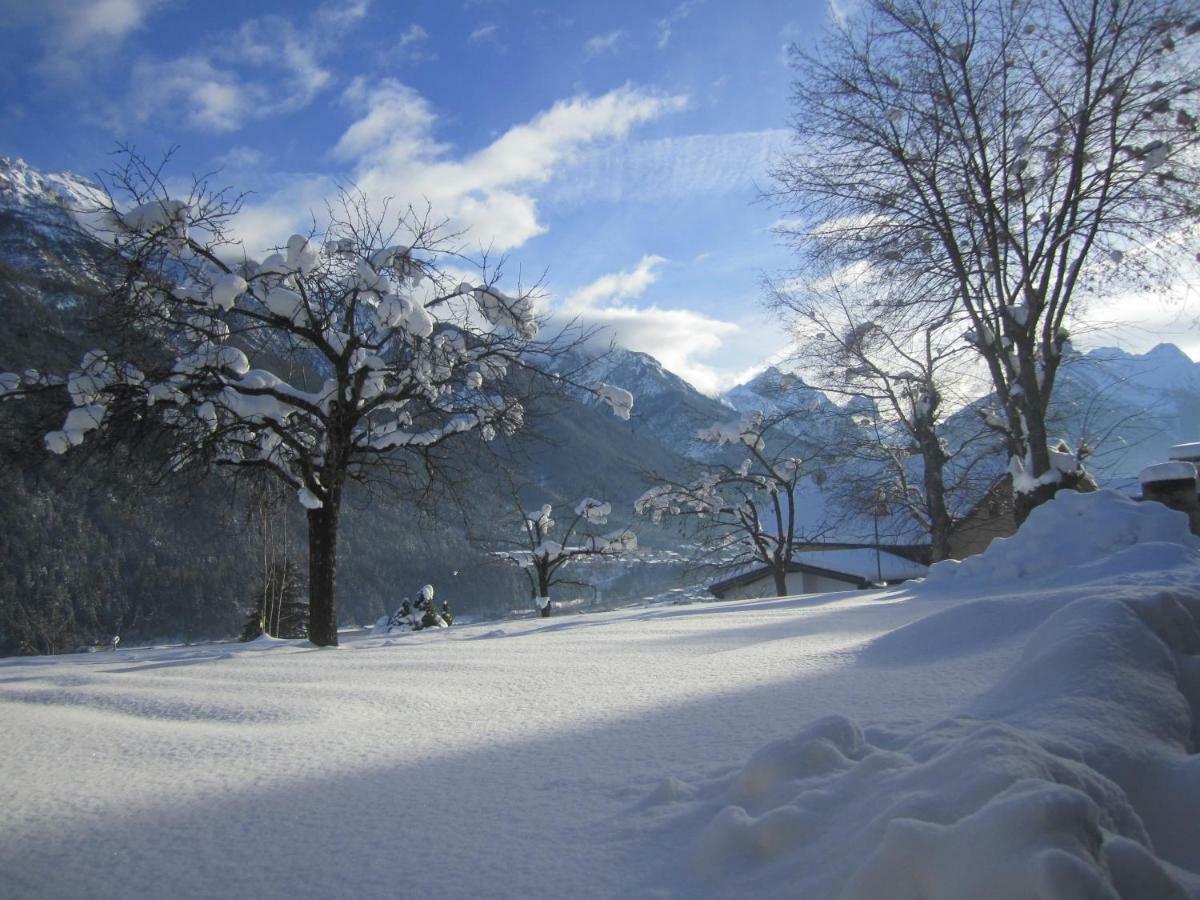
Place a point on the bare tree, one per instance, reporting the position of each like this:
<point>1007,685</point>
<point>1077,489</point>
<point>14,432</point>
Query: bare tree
<point>1007,156</point>
<point>900,368</point>
<point>544,558</point>
<point>745,512</point>
<point>340,355</point>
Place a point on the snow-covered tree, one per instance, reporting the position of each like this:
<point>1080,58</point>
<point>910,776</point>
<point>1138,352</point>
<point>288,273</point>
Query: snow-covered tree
<point>743,513</point>
<point>543,555</point>
<point>345,354</point>
<point>1008,157</point>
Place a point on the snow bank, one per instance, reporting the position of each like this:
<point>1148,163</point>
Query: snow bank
<point>1072,777</point>
<point>1070,530</point>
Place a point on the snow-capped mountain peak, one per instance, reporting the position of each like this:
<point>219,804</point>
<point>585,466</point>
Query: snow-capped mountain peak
<point>24,188</point>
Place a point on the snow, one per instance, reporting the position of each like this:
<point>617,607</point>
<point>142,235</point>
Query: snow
<point>302,254</point>
<point>308,499</point>
<point>1169,471</point>
<point>863,563</point>
<point>1024,727</point>
<point>285,303</point>
<point>1189,451</point>
<point>618,399</point>
<point>593,510</point>
<point>514,313</point>
<point>158,214</point>
<point>1073,531</point>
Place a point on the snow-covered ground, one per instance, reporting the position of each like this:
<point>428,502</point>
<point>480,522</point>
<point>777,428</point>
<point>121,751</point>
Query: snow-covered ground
<point>1021,725</point>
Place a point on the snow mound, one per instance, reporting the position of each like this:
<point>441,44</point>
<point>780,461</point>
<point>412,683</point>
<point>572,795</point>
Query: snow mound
<point>1072,777</point>
<point>1071,530</point>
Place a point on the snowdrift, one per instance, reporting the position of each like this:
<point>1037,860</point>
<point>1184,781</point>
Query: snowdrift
<point>1104,527</point>
<point>1074,776</point>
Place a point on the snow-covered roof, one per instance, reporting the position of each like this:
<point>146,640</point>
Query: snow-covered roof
<point>1169,471</point>
<point>861,561</point>
<point>1189,452</point>
<point>854,565</point>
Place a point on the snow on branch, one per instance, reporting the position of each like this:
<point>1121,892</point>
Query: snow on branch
<point>619,399</point>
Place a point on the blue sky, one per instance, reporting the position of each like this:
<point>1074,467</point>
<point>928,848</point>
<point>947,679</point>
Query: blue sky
<point>618,147</point>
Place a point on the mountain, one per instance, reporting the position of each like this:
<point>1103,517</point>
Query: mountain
<point>774,392</point>
<point>667,409</point>
<point>1130,407</point>
<point>39,233</point>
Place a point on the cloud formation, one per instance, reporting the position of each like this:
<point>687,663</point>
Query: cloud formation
<point>662,168</point>
<point>267,66</point>
<point>413,47</point>
<point>483,34</point>
<point>394,153</point>
<point>667,23</point>
<point>604,43</point>
<point>75,32</point>
<point>678,338</point>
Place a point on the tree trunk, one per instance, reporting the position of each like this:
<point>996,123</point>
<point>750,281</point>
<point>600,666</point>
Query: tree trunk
<point>544,592</point>
<point>1038,458</point>
<point>933,460</point>
<point>779,572</point>
<point>322,570</point>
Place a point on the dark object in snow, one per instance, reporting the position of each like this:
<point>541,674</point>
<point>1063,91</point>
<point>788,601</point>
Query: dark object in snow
<point>402,616</point>
<point>446,614</point>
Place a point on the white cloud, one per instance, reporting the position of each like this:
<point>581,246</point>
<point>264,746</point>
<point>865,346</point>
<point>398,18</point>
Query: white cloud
<point>604,43</point>
<point>490,191</point>
<point>615,287</point>
<point>341,16</point>
<point>1136,321</point>
<point>485,33</point>
<point>77,32</point>
<point>103,20</point>
<point>392,152</point>
<point>394,116</point>
<point>265,67</point>
<point>840,11</point>
<point>241,158</point>
<point>663,168</point>
<point>413,47</point>
<point>667,23</point>
<point>678,338</point>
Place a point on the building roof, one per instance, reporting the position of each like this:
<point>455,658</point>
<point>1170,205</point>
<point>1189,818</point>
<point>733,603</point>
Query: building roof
<point>1185,452</point>
<point>856,566</point>
<point>864,563</point>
